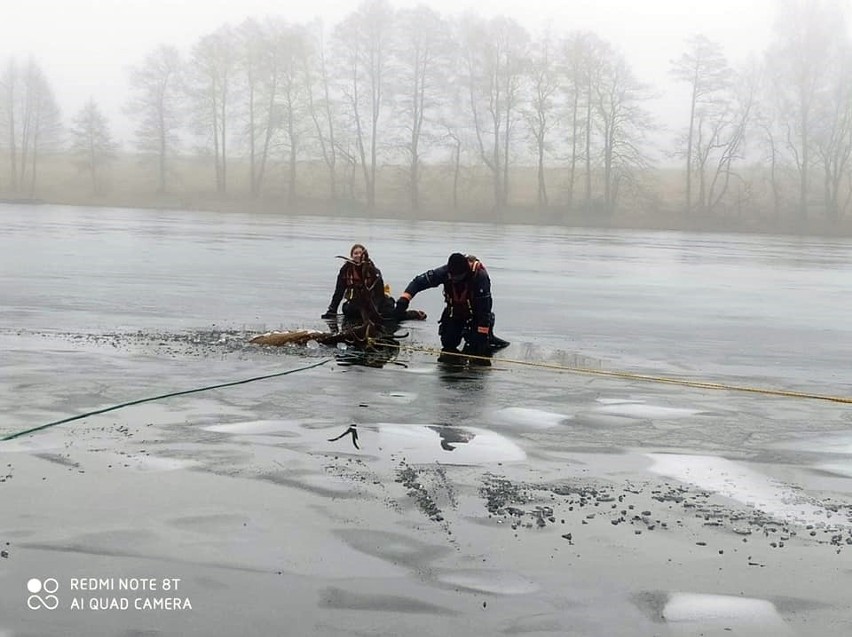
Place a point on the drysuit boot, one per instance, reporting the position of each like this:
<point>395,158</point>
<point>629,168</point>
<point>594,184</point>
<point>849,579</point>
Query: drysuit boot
<point>451,356</point>
<point>495,343</point>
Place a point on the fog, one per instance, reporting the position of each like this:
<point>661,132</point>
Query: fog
<point>86,48</point>
<point>581,112</point>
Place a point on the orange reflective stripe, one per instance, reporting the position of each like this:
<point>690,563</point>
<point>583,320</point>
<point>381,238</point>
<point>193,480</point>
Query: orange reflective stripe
<point>406,296</point>
<point>482,330</point>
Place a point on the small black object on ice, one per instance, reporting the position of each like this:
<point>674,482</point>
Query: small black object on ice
<point>352,430</point>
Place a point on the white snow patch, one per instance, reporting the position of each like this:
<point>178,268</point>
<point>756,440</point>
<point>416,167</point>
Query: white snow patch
<point>639,410</point>
<point>460,446</point>
<point>742,484</point>
<point>725,610</point>
<point>533,418</point>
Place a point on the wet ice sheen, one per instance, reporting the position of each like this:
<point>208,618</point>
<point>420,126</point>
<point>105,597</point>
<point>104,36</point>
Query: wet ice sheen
<point>400,397</point>
<point>30,444</point>
<point>255,427</point>
<point>839,444</point>
<point>843,469</point>
<point>640,410</point>
<point>155,464</point>
<point>489,581</point>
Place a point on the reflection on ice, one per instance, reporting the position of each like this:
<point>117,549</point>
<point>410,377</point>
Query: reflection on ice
<point>742,484</point>
<point>400,397</point>
<point>29,445</point>
<point>255,427</point>
<point>637,409</point>
<point>155,464</point>
<point>757,616</point>
<point>839,444</point>
<point>533,418</point>
<point>837,468</point>
<point>486,581</point>
<point>143,462</point>
<point>447,445</point>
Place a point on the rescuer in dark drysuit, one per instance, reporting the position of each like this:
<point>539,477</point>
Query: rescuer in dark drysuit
<point>467,315</point>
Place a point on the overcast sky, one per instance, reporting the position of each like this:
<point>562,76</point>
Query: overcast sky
<point>85,46</point>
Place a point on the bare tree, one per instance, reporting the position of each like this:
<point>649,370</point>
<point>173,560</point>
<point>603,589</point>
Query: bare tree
<point>272,66</point>
<point>456,133</point>
<point>809,34</point>
<point>726,127</point>
<point>833,136</point>
<point>623,123</point>
<point>320,104</point>
<point>769,134</point>
<point>541,112</point>
<point>42,119</point>
<point>515,42</point>
<point>363,39</point>
<point>156,102</point>
<point>771,147</point>
<point>581,59</point>
<point>92,143</point>
<point>456,152</point>
<point>9,89</point>
<point>704,67</point>
<point>209,85</point>
<point>594,54</point>
<point>291,44</point>
<point>32,119</point>
<point>493,65</point>
<point>256,88</point>
<point>422,52</point>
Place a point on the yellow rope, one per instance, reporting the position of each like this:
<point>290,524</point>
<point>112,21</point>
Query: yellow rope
<point>630,375</point>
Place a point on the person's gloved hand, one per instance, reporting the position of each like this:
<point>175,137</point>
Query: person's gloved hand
<point>401,307</point>
<point>329,314</point>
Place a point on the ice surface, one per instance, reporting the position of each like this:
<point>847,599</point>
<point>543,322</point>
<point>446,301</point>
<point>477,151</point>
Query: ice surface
<point>738,482</point>
<point>255,427</point>
<point>487,581</point>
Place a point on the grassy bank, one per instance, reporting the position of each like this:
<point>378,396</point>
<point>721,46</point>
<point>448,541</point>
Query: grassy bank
<point>130,182</point>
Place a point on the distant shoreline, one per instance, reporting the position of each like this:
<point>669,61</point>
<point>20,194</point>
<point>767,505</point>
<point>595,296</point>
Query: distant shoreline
<point>663,221</point>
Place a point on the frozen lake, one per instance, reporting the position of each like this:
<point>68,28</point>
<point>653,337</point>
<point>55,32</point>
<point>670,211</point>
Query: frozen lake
<point>751,310</point>
<point>102,306</point>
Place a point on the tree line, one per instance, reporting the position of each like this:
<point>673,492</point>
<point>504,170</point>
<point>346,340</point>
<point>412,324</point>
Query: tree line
<point>472,100</point>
